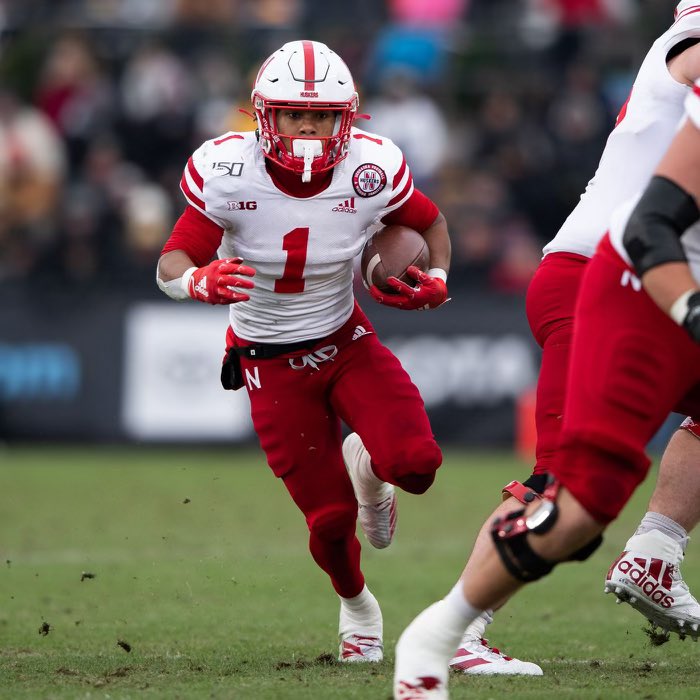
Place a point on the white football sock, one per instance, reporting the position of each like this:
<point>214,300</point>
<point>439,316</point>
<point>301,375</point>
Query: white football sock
<point>360,615</point>
<point>666,525</point>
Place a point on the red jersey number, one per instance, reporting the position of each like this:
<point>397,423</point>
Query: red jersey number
<point>295,243</point>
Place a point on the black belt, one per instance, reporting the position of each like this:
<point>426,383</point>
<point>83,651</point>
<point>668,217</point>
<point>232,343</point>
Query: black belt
<point>265,351</point>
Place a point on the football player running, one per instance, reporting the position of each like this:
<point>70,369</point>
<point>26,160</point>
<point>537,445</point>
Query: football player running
<point>645,127</point>
<point>285,210</point>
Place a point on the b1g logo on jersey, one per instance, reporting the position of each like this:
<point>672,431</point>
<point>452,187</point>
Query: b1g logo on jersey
<point>242,206</point>
<point>368,180</point>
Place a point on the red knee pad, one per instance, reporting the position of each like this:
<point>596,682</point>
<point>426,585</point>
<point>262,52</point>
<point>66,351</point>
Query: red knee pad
<point>519,491</point>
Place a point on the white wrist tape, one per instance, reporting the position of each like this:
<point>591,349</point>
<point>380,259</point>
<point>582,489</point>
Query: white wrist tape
<point>679,308</point>
<point>178,288</point>
<point>438,272</point>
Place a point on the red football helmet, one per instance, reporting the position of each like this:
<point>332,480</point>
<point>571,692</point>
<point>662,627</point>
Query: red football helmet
<point>305,75</point>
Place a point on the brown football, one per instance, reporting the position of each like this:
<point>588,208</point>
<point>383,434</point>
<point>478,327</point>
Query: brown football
<point>389,252</point>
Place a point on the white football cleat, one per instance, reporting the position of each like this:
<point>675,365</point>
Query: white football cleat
<point>377,511</point>
<point>361,630</point>
<point>647,576</point>
<point>476,657</point>
<point>357,649</point>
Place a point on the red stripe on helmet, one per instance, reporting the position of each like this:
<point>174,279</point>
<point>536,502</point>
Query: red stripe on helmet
<point>196,177</point>
<point>309,65</point>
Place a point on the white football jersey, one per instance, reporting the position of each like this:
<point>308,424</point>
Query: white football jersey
<point>645,126</point>
<point>691,238</point>
<point>301,248</point>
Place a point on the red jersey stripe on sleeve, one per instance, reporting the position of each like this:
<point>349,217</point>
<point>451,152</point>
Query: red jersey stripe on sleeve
<point>418,212</point>
<point>399,175</point>
<point>196,235</point>
<point>190,196</point>
<point>403,193</point>
<point>196,177</point>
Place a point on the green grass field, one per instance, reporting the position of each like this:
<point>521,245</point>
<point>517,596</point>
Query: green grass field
<point>200,565</point>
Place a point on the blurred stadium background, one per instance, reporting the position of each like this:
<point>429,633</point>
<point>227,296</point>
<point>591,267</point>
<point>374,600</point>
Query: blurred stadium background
<point>501,106</point>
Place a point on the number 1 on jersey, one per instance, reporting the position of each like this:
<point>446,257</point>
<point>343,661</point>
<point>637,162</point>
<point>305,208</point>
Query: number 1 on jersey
<point>295,243</point>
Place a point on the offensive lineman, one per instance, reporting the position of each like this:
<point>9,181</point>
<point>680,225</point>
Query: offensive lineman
<point>637,329</point>
<point>286,210</point>
<point>645,127</point>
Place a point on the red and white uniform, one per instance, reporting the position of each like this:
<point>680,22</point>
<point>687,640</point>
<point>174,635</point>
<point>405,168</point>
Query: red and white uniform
<point>631,365</point>
<point>301,248</point>
<point>645,126</point>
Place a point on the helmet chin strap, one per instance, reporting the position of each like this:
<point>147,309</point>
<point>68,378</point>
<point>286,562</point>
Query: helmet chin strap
<point>308,149</point>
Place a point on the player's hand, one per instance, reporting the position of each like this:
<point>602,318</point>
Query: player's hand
<point>428,292</point>
<point>218,282</point>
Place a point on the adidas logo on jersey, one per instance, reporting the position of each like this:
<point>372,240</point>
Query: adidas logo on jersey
<point>346,207</point>
<point>359,332</point>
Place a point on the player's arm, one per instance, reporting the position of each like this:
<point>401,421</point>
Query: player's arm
<point>430,290</point>
<point>684,61</point>
<point>667,208</point>
<point>184,270</point>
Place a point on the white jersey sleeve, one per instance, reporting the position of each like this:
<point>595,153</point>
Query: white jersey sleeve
<point>644,129</point>
<point>621,215</point>
<point>207,164</point>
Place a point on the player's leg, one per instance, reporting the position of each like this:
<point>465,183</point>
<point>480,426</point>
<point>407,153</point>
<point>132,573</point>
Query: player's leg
<point>647,574</point>
<point>551,299</point>
<point>623,386</point>
<point>301,438</point>
<point>393,444</point>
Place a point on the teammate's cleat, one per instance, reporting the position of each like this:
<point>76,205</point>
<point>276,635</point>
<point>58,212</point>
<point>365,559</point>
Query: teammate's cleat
<point>422,654</point>
<point>476,657</point>
<point>427,688</point>
<point>360,629</point>
<point>647,576</point>
<point>358,649</point>
<point>376,499</point>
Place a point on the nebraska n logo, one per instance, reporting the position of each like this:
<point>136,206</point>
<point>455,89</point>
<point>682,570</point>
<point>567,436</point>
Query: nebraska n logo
<point>631,280</point>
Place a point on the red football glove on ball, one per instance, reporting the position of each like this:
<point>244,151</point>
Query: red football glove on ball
<point>429,292</point>
<point>212,283</point>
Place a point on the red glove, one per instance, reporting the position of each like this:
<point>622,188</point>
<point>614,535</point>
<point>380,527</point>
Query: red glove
<point>212,283</point>
<point>429,292</point>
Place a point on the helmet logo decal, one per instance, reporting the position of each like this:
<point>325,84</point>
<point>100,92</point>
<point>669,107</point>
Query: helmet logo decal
<point>368,180</point>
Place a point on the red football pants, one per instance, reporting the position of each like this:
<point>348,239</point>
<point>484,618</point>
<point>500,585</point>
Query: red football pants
<point>550,303</point>
<point>631,365</point>
<point>297,407</point>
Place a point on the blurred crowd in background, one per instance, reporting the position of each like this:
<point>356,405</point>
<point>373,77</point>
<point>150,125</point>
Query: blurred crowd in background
<point>502,108</point>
